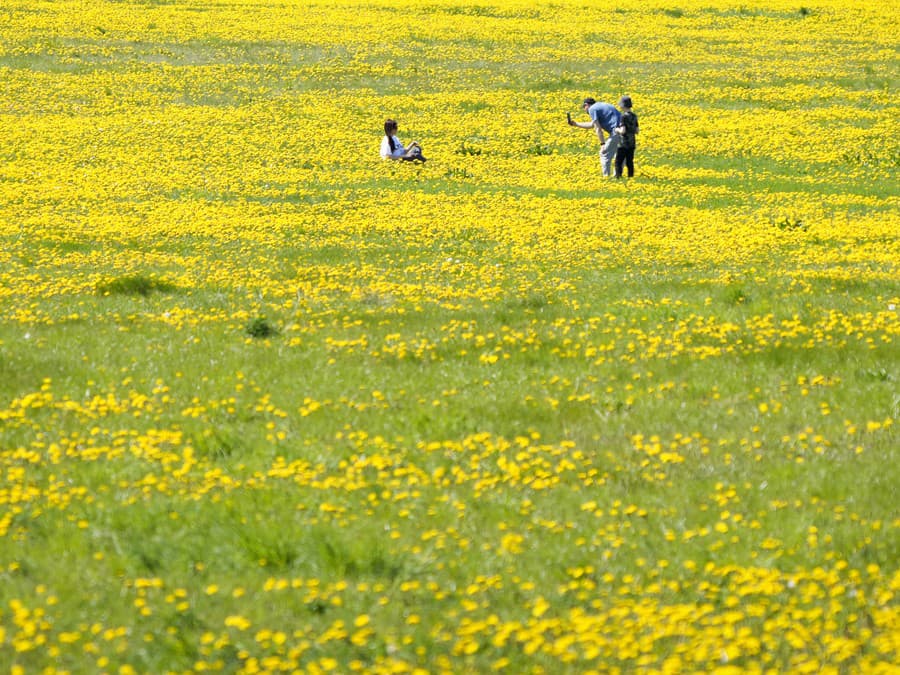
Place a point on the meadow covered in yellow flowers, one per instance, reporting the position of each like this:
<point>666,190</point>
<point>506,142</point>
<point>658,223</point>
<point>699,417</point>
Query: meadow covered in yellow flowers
<point>271,404</point>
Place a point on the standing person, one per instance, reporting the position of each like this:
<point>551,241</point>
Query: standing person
<point>604,117</point>
<point>392,148</point>
<point>628,129</point>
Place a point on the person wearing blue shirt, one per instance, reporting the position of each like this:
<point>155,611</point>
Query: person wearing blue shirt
<point>604,118</point>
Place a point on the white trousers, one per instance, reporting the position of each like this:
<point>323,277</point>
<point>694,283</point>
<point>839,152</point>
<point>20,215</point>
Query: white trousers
<point>608,152</point>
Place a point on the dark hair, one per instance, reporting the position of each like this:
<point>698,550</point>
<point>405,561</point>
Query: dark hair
<point>589,101</point>
<point>625,101</point>
<point>389,127</point>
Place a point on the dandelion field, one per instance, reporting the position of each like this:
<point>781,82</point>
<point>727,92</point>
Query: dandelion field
<point>270,404</point>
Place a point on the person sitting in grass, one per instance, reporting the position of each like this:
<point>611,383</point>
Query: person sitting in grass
<point>392,148</point>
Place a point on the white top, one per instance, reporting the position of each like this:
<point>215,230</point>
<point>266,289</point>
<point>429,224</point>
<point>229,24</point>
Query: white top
<point>386,148</point>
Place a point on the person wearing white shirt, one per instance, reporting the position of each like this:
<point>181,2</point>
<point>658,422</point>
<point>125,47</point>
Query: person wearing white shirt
<point>392,148</point>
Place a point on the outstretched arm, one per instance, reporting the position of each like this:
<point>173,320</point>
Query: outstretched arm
<point>586,125</point>
<point>580,125</point>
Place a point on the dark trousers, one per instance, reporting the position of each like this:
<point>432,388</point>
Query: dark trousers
<point>624,156</point>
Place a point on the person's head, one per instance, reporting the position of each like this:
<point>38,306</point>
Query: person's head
<point>587,103</point>
<point>390,127</point>
<point>625,102</point>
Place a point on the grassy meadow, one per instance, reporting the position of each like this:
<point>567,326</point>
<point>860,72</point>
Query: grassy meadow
<point>271,404</point>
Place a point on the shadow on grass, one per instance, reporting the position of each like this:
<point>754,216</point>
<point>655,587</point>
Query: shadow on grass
<point>133,285</point>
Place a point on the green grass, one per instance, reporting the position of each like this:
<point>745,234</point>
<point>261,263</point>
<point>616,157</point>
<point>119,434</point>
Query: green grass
<point>224,368</point>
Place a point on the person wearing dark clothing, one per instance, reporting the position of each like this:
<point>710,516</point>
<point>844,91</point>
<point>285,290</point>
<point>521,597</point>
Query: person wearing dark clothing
<point>628,129</point>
